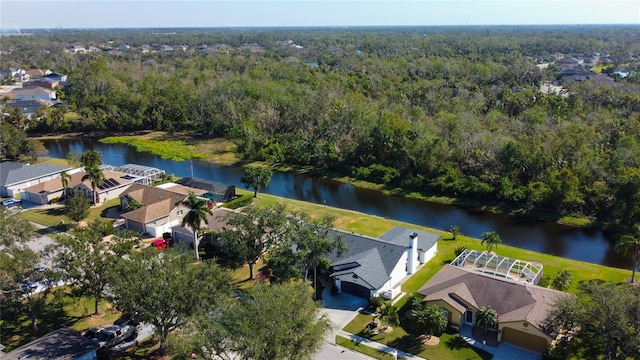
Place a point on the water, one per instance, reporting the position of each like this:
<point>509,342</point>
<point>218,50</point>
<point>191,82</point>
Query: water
<point>549,238</point>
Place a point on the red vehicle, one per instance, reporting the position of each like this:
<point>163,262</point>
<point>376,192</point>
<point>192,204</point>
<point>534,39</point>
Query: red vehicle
<point>161,244</point>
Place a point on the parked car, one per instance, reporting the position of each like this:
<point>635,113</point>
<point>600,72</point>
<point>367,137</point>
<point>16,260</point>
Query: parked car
<point>127,319</point>
<point>11,202</point>
<point>161,244</point>
<point>110,336</point>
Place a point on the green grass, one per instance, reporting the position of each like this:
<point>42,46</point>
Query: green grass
<point>450,347</point>
<point>363,349</point>
<point>52,216</point>
<point>375,226</point>
<point>177,150</point>
<point>62,311</point>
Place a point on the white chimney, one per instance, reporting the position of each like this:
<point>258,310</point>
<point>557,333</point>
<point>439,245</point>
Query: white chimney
<point>412,256</point>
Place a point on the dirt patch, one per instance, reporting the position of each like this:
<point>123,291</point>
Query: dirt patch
<point>386,330</point>
<point>429,340</point>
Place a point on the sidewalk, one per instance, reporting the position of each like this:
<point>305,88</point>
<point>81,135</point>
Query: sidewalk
<point>376,345</point>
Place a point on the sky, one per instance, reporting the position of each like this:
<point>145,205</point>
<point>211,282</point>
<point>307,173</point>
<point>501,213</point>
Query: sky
<point>52,14</point>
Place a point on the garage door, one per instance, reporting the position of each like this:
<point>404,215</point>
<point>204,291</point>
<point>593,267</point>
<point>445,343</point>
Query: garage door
<point>355,289</point>
<point>524,340</point>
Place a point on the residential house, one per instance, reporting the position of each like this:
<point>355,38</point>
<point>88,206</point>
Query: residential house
<point>31,93</point>
<point>76,49</point>
<point>114,184</point>
<point>93,49</point>
<point>54,76</point>
<point>214,191</point>
<point>253,47</point>
<point>15,177</point>
<point>61,344</point>
<point>160,209</point>
<point>123,47</point>
<point>166,48</point>
<point>145,48</point>
<point>17,75</point>
<point>180,48</point>
<point>37,74</point>
<point>521,306</point>
<point>378,266</point>
<point>29,107</point>
<point>47,84</point>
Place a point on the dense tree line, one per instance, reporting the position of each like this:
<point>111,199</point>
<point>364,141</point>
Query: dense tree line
<point>453,111</point>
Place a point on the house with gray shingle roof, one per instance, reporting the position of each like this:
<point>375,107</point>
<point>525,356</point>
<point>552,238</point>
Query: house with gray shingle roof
<point>15,177</point>
<point>378,266</point>
<point>521,306</point>
<point>61,344</point>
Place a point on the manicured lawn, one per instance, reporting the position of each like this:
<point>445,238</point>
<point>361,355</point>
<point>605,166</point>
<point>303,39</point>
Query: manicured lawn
<point>62,311</point>
<point>52,216</point>
<point>374,353</point>
<point>141,351</point>
<point>451,346</point>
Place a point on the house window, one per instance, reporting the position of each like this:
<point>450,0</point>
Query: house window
<point>180,212</point>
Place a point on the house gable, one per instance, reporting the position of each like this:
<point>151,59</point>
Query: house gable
<point>513,301</point>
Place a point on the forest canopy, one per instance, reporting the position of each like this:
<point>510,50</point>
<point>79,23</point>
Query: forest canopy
<point>456,111</point>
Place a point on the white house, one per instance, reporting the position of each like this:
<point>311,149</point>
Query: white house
<point>15,177</point>
<point>377,266</point>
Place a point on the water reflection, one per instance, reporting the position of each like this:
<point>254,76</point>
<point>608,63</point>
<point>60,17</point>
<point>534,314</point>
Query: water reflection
<point>586,245</point>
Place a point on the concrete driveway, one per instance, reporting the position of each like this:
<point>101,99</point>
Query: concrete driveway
<point>507,351</point>
<point>340,309</point>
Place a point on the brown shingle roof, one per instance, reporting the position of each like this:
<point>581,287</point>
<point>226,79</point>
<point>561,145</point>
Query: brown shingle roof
<point>156,202</point>
<point>513,301</point>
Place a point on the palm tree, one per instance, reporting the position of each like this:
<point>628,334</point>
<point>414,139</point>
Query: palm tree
<point>486,317</point>
<point>429,318</point>
<point>96,178</point>
<point>436,320</point>
<point>196,215</point>
<point>562,281</point>
<point>491,239</point>
<point>389,312</point>
<point>631,242</point>
<point>64,178</point>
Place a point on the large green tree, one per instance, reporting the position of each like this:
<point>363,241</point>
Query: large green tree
<point>90,158</point>
<point>77,206</point>
<point>166,289</point>
<point>631,243</point>
<point>197,214</point>
<point>312,241</point>
<point>278,321</point>
<point>257,177</point>
<point>85,258</point>
<point>604,318</point>
<point>256,231</point>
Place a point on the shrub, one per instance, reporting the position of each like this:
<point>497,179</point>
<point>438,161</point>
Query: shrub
<point>376,301</point>
<point>243,200</point>
<point>544,281</point>
<point>459,249</point>
<point>453,329</point>
<point>55,200</point>
<point>106,228</point>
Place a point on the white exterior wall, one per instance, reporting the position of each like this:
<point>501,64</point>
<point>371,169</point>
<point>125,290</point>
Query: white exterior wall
<point>426,256</point>
<point>162,225</point>
<point>15,189</point>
